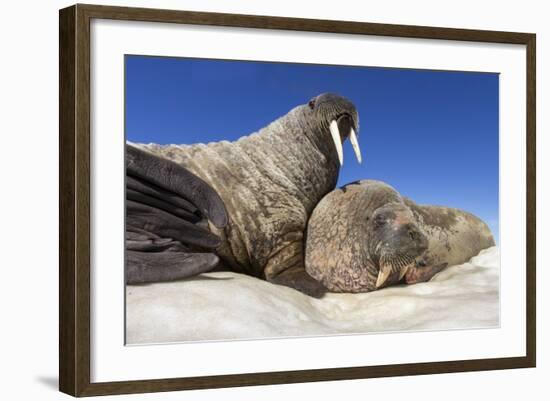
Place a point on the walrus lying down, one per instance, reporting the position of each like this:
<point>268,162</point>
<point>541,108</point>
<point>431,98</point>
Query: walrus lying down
<point>366,236</point>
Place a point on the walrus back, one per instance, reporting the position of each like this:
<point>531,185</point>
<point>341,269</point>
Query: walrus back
<point>454,235</point>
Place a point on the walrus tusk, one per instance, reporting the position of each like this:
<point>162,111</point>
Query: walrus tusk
<point>335,133</point>
<point>355,144</point>
<point>383,275</point>
<point>404,271</point>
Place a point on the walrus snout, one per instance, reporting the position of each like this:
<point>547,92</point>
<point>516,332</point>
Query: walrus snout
<point>342,118</point>
<point>331,106</point>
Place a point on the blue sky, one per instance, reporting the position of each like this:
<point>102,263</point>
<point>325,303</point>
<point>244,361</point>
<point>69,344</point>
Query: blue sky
<point>433,135</point>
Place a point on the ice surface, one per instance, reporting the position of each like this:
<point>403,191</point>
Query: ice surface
<point>226,305</point>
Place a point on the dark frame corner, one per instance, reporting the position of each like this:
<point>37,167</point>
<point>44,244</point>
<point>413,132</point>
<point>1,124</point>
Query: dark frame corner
<point>74,199</point>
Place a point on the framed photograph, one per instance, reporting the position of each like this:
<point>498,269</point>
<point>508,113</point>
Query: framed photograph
<point>250,200</point>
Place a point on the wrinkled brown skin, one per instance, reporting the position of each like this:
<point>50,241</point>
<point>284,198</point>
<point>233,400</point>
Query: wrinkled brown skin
<point>346,246</point>
<point>270,182</point>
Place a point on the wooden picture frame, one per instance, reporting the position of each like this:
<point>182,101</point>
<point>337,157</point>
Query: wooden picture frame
<point>74,204</point>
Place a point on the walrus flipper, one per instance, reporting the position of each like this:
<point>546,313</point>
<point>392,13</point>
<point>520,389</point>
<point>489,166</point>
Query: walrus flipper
<point>146,267</point>
<point>421,274</point>
<point>167,213</point>
<point>169,176</point>
<point>299,279</point>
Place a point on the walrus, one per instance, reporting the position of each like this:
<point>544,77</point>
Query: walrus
<point>269,183</point>
<point>366,236</point>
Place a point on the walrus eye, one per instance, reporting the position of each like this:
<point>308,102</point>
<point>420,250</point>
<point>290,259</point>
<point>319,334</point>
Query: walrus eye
<point>379,221</point>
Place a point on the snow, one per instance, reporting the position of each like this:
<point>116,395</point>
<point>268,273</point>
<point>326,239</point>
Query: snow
<point>227,305</point>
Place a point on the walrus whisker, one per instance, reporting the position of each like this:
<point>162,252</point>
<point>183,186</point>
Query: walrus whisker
<point>404,271</point>
<point>390,264</point>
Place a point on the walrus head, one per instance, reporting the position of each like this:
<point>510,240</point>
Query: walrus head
<point>362,237</point>
<point>395,243</point>
<point>342,119</point>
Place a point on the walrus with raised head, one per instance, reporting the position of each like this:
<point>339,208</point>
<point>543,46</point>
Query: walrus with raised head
<point>366,236</point>
<point>269,183</point>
